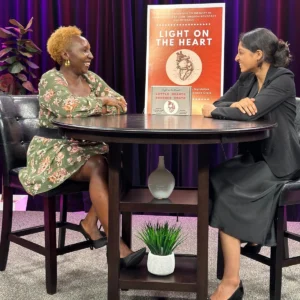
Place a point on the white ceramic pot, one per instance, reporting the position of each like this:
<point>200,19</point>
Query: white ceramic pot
<point>161,265</point>
<point>161,181</point>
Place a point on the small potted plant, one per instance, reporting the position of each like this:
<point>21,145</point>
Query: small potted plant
<point>161,239</point>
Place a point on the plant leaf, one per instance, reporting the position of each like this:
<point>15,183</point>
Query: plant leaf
<point>3,34</point>
<point>23,41</point>
<point>7,32</point>
<point>22,77</point>
<point>8,43</point>
<point>30,49</point>
<point>29,24</point>
<point>15,68</point>
<point>5,51</point>
<point>32,75</point>
<point>33,45</point>
<point>7,83</point>
<point>28,86</point>
<point>9,60</point>
<point>161,239</point>
<point>16,23</point>
<point>31,64</point>
<point>3,67</point>
<point>26,54</point>
<point>23,31</point>
<point>15,29</point>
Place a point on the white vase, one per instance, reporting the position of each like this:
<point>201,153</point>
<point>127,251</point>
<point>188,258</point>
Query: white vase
<point>161,181</point>
<point>161,265</point>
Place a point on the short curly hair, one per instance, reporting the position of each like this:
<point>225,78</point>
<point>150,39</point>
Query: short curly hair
<point>59,40</point>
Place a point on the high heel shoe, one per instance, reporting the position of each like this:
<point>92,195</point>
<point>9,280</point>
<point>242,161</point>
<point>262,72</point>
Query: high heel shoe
<point>238,294</point>
<point>132,259</point>
<point>101,242</point>
<point>251,249</point>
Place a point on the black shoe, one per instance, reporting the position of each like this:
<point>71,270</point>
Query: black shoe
<point>238,294</point>
<point>132,259</point>
<point>94,243</point>
<point>251,249</point>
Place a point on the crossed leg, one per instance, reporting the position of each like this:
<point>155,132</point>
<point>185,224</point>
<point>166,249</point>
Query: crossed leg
<point>95,171</point>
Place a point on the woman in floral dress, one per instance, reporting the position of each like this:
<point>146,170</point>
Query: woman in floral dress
<point>72,91</point>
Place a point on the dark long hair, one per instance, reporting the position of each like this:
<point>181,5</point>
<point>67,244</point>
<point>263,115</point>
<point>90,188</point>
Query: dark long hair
<point>275,51</point>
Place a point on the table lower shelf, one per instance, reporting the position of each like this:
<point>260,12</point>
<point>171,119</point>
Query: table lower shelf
<point>141,200</point>
<point>182,280</point>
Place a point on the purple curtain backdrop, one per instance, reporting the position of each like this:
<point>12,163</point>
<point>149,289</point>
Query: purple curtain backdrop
<point>116,30</point>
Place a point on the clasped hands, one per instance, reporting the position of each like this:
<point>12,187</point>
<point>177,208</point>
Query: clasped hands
<point>113,101</point>
<point>245,105</point>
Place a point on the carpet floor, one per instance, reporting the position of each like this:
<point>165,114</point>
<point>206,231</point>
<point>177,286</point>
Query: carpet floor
<point>83,274</point>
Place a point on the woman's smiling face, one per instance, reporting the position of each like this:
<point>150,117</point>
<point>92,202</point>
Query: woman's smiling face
<point>79,54</point>
<point>247,60</point>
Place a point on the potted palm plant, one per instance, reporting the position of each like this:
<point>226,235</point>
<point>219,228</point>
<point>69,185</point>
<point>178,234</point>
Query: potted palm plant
<point>161,239</point>
<point>15,59</point>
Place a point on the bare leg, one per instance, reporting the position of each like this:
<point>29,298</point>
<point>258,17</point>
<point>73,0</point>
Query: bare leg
<point>95,171</point>
<point>231,279</point>
<point>90,224</point>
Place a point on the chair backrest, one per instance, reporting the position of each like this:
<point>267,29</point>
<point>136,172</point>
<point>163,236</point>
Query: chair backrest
<point>18,124</point>
<point>297,120</point>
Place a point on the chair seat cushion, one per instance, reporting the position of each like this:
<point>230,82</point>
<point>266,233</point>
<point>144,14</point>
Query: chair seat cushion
<point>67,187</point>
<point>290,193</point>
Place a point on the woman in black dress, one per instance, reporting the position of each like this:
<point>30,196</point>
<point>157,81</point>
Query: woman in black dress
<point>245,189</point>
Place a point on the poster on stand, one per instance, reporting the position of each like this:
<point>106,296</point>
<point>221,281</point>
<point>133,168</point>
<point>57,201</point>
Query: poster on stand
<point>185,47</point>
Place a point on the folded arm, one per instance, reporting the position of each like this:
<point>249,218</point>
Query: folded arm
<point>269,98</point>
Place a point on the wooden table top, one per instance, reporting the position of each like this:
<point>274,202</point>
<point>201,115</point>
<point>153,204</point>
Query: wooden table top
<point>162,127</point>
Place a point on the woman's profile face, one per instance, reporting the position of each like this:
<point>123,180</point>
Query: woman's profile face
<point>246,59</point>
<point>80,56</point>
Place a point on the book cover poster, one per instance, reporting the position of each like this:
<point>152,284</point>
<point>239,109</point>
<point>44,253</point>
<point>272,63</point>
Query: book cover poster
<point>185,47</point>
<point>171,100</point>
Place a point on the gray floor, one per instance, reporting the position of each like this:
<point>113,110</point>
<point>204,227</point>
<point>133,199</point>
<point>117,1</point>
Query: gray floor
<point>83,274</point>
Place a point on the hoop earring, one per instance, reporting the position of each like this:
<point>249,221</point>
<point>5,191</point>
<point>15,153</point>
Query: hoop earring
<point>67,63</point>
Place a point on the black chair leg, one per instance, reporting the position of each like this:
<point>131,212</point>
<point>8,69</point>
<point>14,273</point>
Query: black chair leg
<point>7,197</point>
<point>220,260</point>
<point>63,218</point>
<point>50,245</point>
<point>286,240</point>
<point>277,257</point>
<point>127,228</point>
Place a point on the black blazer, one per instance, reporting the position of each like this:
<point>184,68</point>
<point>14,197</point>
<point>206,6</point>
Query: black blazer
<point>276,102</point>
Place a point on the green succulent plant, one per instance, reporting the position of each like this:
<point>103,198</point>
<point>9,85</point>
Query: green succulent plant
<point>161,239</point>
<point>15,55</point>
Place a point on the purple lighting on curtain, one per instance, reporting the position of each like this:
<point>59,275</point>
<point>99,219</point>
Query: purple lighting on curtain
<point>98,43</point>
<point>29,14</point>
<point>43,28</point>
<point>59,12</point>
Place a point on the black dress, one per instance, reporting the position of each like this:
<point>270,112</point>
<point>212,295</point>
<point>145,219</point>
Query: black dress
<point>244,195</point>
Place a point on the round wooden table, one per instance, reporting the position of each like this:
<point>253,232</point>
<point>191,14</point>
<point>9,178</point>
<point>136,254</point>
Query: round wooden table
<point>191,272</point>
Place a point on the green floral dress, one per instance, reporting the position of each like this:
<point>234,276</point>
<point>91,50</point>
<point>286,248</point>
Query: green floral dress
<point>51,161</point>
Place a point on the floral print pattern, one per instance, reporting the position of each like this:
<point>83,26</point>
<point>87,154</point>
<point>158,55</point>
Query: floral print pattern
<point>51,161</point>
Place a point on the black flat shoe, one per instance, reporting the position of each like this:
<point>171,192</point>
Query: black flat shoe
<point>251,249</point>
<point>133,259</point>
<point>238,294</point>
<point>94,243</point>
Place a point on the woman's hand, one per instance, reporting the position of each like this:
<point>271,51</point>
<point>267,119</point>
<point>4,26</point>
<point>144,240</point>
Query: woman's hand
<point>111,101</point>
<point>246,105</point>
<point>207,110</point>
